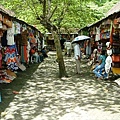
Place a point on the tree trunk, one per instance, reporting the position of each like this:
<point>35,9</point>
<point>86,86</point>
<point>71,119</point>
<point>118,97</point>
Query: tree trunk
<point>62,71</point>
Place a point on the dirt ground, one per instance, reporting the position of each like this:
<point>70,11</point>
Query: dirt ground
<point>7,89</point>
<point>56,97</point>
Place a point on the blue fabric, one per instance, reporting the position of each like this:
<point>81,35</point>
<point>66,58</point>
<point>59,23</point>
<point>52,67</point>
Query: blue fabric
<point>103,58</point>
<point>99,70</point>
<point>41,58</point>
<point>0,98</point>
<point>36,57</point>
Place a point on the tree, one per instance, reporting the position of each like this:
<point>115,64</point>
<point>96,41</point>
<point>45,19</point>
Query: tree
<point>54,14</point>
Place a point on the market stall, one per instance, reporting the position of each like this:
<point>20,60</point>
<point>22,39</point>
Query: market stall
<point>16,40</point>
<point>103,31</point>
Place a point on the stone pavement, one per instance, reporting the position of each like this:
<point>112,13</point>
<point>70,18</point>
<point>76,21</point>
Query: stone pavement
<point>78,97</point>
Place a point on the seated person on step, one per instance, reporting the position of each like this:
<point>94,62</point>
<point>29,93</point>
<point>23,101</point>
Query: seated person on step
<point>34,54</point>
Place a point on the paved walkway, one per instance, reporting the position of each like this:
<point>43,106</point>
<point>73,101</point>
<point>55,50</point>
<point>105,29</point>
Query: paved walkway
<point>78,97</point>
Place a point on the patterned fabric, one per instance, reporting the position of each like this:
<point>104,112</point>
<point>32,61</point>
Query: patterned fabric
<point>12,66</point>
<point>10,57</point>
<point>28,51</point>
<point>17,27</point>
<point>24,54</point>
<point>97,37</point>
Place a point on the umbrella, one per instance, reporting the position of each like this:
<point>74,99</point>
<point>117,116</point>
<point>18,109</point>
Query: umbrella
<point>80,38</point>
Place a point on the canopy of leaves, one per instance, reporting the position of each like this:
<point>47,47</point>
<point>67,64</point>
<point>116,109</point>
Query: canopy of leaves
<point>77,14</point>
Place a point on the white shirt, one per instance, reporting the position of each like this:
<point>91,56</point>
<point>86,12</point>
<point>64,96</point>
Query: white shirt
<point>10,35</point>
<point>77,51</point>
<point>97,37</point>
<point>68,45</point>
<point>108,64</point>
<point>17,28</point>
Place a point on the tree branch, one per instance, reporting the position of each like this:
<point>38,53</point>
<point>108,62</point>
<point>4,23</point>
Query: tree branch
<point>50,16</point>
<point>44,8</point>
<point>34,10</point>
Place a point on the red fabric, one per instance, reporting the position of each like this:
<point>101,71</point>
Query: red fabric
<point>111,33</point>
<point>25,51</point>
<point>32,51</point>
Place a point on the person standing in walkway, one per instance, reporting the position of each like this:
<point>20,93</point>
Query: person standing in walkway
<point>77,56</point>
<point>68,47</point>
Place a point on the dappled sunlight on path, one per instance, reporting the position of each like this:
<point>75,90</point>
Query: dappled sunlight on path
<point>77,97</point>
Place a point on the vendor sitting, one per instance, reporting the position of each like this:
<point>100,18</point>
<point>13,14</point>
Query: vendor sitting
<point>100,66</point>
<point>34,53</point>
<point>41,57</point>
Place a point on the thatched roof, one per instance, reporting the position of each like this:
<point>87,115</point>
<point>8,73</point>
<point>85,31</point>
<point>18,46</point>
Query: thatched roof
<point>114,9</point>
<point>6,11</point>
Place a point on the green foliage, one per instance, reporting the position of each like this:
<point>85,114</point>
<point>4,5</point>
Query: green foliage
<point>78,13</point>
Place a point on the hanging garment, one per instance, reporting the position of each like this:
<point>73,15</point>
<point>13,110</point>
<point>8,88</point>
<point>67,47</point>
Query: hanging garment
<point>97,37</point>
<point>28,52</point>
<point>38,43</point>
<point>17,28</point>
<point>10,35</point>
<point>24,54</point>
<point>10,57</point>
<point>24,38</point>
<point>12,66</point>
<point>3,39</point>
<point>111,33</point>
<point>32,37</point>
<point>108,62</point>
<point>88,48</point>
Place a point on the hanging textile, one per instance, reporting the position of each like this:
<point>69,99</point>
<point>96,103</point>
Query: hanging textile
<point>111,32</point>
<point>32,37</point>
<point>24,38</point>
<point>17,27</point>
<point>28,52</point>
<point>10,35</point>
<point>10,57</point>
<point>4,40</point>
<point>88,47</point>
<point>17,39</point>
<point>24,54</point>
<point>38,42</point>
<point>97,37</point>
